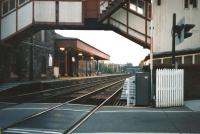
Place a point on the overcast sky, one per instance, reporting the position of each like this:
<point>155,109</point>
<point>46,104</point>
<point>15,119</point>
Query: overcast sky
<point>119,48</point>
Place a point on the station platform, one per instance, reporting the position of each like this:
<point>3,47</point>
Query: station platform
<point>106,120</point>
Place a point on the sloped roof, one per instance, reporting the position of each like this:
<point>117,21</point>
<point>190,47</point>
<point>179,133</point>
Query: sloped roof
<point>80,46</point>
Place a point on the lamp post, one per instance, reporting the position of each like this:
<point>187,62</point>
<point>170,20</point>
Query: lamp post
<point>92,66</point>
<point>81,55</point>
<point>64,51</point>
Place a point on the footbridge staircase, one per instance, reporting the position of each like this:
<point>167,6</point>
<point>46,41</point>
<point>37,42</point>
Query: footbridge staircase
<point>22,18</point>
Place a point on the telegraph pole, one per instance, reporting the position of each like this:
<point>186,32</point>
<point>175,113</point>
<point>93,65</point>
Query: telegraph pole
<point>173,40</point>
<point>181,31</point>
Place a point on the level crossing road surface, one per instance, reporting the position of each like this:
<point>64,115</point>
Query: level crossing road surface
<point>57,120</point>
<point>142,120</point>
<point>106,120</point>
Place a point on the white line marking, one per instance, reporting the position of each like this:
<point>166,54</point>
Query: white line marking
<point>134,133</point>
<point>74,110</point>
<point>25,108</point>
<point>26,130</point>
<point>59,109</point>
<point>138,111</point>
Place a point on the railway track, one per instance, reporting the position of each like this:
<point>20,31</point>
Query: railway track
<point>98,106</point>
<point>110,91</point>
<point>49,95</point>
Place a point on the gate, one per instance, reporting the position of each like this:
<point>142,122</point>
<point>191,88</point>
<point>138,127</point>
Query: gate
<point>169,87</point>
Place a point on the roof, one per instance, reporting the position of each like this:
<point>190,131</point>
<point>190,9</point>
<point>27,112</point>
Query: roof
<point>81,46</point>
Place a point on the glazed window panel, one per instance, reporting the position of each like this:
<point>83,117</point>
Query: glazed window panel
<point>188,60</point>
<point>179,60</point>
<point>157,62</point>
<point>186,3</point>
<point>137,6</point>
<point>12,4</point>
<point>8,6</point>
<point>197,59</point>
<point>5,7</point>
<point>22,1</point>
<point>134,2</point>
<point>167,61</point>
<point>133,5</point>
<point>194,3</point>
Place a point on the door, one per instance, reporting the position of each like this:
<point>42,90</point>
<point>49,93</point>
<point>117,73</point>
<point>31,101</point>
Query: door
<point>91,8</point>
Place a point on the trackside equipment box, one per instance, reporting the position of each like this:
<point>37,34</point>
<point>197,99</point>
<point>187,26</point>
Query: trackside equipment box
<point>143,92</point>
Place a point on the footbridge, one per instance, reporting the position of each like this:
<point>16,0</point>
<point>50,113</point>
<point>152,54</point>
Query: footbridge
<point>22,18</point>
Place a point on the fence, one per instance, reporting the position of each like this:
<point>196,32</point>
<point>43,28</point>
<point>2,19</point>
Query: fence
<point>169,87</point>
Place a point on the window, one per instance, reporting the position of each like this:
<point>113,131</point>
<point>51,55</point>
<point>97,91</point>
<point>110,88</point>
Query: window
<point>186,3</point>
<point>12,4</point>
<point>133,4</point>
<point>194,3</point>
<point>159,2</point>
<point>140,8</point>
<point>22,2</point>
<point>7,6</point>
<point>137,5</point>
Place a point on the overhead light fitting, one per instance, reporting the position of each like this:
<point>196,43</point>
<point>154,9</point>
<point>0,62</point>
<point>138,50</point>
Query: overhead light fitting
<point>80,54</point>
<point>62,49</point>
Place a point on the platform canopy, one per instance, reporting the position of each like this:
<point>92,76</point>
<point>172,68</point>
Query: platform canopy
<point>82,48</point>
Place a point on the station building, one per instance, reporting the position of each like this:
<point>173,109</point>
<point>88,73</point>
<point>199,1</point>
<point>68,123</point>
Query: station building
<point>74,57</point>
<point>187,51</point>
<point>37,57</point>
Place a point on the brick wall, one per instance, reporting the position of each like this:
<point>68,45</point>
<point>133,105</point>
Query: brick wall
<point>27,60</point>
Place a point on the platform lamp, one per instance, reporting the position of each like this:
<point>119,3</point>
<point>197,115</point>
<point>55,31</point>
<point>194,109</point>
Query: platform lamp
<point>81,55</point>
<point>92,66</point>
<point>62,49</point>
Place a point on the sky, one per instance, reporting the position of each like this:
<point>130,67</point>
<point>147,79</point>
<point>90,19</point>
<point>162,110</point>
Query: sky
<point>121,49</point>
